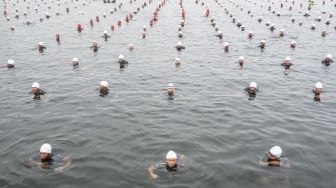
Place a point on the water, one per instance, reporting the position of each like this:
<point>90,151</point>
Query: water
<point>114,139</point>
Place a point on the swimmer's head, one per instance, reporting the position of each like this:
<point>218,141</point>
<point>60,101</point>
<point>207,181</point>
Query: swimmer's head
<point>35,88</point>
<point>293,44</point>
<point>105,32</point>
<point>130,47</point>
<point>253,86</point>
<point>45,151</point>
<point>241,60</point>
<point>103,86</point>
<point>250,34</point>
<point>40,44</point>
<point>275,152</point>
<point>121,58</point>
<point>318,87</point>
<point>288,60</point>
<point>75,61</point>
<point>94,43</point>
<point>177,61</point>
<point>171,159</point>
<point>179,44</point>
<point>10,63</point>
<point>170,89</point>
<point>329,56</point>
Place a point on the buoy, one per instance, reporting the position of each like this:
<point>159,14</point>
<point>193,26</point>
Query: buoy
<point>97,18</point>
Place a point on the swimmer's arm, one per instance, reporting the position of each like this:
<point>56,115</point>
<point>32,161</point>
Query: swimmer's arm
<point>151,172</point>
<point>263,163</point>
<point>68,162</point>
<point>285,165</point>
<point>31,161</point>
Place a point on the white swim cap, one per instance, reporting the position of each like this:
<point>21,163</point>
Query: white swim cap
<point>263,41</point>
<point>276,151</point>
<point>180,32</point>
<point>75,59</point>
<point>220,32</point>
<point>282,30</point>
<point>121,57</point>
<point>293,42</point>
<point>241,58</point>
<point>250,32</point>
<point>226,44</point>
<point>170,85</point>
<point>177,60</point>
<point>144,27</point>
<point>45,148</point>
<point>287,58</point>
<point>179,43</point>
<point>171,155</point>
<point>314,25</point>
<point>40,43</point>
<point>36,84</point>
<point>318,85</point>
<point>253,84</point>
<point>130,45</point>
<point>11,62</point>
<point>105,32</point>
<point>103,83</point>
<point>329,56</point>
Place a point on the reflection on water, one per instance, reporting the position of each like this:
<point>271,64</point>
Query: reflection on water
<point>114,139</point>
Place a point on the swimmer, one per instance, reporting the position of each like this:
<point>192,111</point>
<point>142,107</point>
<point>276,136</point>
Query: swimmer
<point>260,19</point>
<point>293,19</point>
<point>328,60</point>
<point>293,44</point>
<point>250,34</point>
<point>41,46</point>
<point>318,19</point>
<point>242,28</point>
<point>274,158</point>
<point>94,46</point>
<point>216,28</point>
<point>171,164</point>
<point>130,47</point>
<point>10,64</point>
<point>58,40</point>
<point>143,34</point>
<point>170,89</point>
<point>324,33</point>
<point>180,34</point>
<point>226,46</point>
<point>179,46</point>
<point>12,28</point>
<point>144,28</point>
<point>252,90</point>
<point>306,14</point>
<point>241,61</point>
<point>313,27</point>
<point>327,22</point>
<point>103,88</point>
<point>46,160</point>
<point>287,63</point>
<point>75,61</point>
<point>28,22</point>
<point>220,34</point>
<point>177,62</point>
<point>121,59</point>
<point>300,23</point>
<point>282,33</point>
<point>36,91</point>
<point>182,23</point>
<point>272,28</point>
<point>262,44</point>
<point>106,36</point>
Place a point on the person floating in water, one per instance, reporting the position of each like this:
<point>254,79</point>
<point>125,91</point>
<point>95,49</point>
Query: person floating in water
<point>170,90</point>
<point>103,88</point>
<point>179,46</point>
<point>75,61</point>
<point>274,158</point>
<point>121,59</point>
<point>106,36</point>
<point>36,91</point>
<point>262,44</point>
<point>46,160</point>
<point>171,165</point>
<point>328,60</point>
<point>41,47</point>
<point>94,46</point>
<point>10,64</point>
<point>317,91</point>
<point>287,63</point>
<point>252,90</point>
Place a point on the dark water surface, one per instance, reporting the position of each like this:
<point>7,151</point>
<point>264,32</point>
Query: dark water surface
<point>114,139</point>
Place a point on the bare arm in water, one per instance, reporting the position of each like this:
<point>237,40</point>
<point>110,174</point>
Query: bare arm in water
<point>151,172</point>
<point>68,161</point>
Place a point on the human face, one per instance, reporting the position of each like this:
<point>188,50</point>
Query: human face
<point>44,156</point>
<point>252,88</point>
<point>35,90</point>
<point>170,90</point>
<point>170,162</point>
<point>102,89</point>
